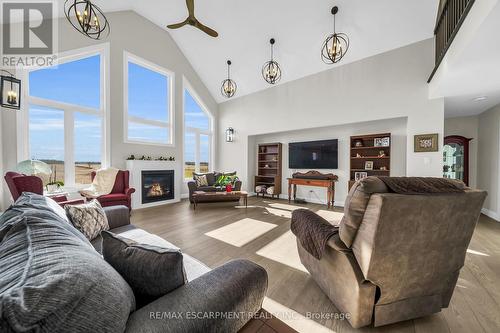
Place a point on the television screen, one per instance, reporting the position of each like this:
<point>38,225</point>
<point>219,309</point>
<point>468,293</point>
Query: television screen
<point>313,155</point>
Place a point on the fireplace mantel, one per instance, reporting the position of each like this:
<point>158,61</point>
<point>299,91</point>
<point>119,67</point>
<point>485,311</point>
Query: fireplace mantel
<point>136,167</point>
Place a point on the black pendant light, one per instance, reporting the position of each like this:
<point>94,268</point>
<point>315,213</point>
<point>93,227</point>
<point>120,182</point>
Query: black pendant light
<point>336,45</point>
<point>10,91</point>
<point>229,87</point>
<point>271,70</point>
<point>87,18</point>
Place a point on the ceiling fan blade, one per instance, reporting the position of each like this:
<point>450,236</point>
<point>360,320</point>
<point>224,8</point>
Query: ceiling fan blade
<point>190,6</point>
<point>177,25</point>
<point>206,29</point>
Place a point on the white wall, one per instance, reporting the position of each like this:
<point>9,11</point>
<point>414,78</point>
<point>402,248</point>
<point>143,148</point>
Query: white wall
<point>488,160</point>
<point>133,33</point>
<point>466,127</point>
<point>397,128</point>
<point>386,86</point>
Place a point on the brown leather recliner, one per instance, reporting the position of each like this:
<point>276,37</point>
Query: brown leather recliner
<point>397,256</point>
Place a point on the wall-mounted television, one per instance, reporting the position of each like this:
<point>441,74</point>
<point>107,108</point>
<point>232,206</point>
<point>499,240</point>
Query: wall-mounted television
<point>313,154</point>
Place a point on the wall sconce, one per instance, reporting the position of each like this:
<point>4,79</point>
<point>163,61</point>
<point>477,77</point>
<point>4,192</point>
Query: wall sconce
<point>230,134</point>
<point>10,91</point>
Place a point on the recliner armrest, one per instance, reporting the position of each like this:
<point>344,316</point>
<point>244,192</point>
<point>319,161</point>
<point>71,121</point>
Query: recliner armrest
<point>337,244</point>
<point>218,301</point>
<point>117,216</point>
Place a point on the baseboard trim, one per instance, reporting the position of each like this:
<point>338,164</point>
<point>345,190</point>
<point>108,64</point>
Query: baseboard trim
<point>491,214</point>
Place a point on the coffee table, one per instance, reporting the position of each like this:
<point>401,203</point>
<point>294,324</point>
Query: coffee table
<point>202,196</point>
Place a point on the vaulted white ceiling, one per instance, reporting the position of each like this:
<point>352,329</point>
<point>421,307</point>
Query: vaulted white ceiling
<point>299,27</point>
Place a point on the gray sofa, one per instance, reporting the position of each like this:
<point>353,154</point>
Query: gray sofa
<point>44,256</point>
<point>212,178</point>
<point>396,256</point>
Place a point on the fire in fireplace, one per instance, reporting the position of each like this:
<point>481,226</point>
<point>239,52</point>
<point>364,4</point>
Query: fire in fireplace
<point>157,185</point>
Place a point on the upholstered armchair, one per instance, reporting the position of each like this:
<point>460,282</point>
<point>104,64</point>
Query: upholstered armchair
<point>396,256</point>
<point>121,194</point>
<point>19,183</point>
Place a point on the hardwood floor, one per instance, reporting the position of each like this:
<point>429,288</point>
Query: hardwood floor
<point>475,306</point>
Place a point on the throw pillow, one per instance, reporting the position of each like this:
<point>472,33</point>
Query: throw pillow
<point>89,218</point>
<point>151,271</point>
<point>201,180</point>
<point>211,177</point>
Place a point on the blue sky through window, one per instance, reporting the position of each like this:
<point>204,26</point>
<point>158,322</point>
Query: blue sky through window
<point>195,117</point>
<point>76,82</point>
<point>147,93</point>
<point>193,114</point>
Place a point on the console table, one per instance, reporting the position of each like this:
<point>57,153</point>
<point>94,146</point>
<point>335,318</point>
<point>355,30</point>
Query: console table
<point>313,178</point>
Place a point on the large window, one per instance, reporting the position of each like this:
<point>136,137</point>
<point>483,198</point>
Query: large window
<point>148,102</point>
<point>65,117</point>
<point>197,136</point>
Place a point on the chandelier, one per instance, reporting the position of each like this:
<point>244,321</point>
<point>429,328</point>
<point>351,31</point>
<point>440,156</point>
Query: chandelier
<point>229,87</point>
<point>336,45</point>
<point>271,70</point>
<point>87,18</point>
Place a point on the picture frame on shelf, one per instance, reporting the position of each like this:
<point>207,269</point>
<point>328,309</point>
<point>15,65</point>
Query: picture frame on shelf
<point>382,142</point>
<point>369,165</point>
<point>424,143</point>
<point>360,175</point>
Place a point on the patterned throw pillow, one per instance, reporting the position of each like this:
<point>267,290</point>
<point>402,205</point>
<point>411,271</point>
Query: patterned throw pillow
<point>201,180</point>
<point>89,218</point>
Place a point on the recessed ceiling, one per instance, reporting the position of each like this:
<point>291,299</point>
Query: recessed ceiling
<point>299,28</point>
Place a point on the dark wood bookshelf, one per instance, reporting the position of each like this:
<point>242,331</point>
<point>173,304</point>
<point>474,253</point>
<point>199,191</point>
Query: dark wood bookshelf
<point>269,160</point>
<point>363,149</point>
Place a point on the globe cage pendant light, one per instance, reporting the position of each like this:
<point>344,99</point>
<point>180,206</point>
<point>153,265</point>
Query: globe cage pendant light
<point>228,88</point>
<point>87,18</point>
<point>336,45</point>
<point>271,70</point>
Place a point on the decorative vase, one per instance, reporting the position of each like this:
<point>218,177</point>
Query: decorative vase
<point>229,188</point>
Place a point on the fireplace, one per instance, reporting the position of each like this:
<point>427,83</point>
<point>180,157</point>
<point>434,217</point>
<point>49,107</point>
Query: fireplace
<point>157,185</point>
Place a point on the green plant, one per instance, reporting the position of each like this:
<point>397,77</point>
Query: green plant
<point>225,180</point>
<point>58,182</point>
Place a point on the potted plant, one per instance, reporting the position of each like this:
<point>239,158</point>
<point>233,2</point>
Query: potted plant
<point>54,186</point>
<point>227,182</point>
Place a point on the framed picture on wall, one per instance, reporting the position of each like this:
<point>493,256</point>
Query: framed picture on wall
<point>424,143</point>
<point>360,175</point>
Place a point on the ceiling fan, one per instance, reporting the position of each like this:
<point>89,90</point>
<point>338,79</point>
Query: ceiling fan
<point>191,20</point>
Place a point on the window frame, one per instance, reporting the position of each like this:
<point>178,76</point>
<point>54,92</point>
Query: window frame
<point>170,125</point>
<point>186,86</point>
<point>23,133</point>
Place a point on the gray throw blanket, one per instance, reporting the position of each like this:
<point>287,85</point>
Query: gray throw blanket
<point>312,231</point>
<point>419,185</point>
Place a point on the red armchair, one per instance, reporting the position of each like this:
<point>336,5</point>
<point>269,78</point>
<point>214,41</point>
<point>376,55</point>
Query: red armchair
<point>121,194</point>
<point>19,183</point>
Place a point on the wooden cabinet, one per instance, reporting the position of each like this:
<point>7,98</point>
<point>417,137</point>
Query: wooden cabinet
<point>456,158</point>
<point>370,155</point>
<point>269,167</point>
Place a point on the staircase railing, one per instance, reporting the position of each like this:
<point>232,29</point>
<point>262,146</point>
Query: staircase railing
<point>451,15</point>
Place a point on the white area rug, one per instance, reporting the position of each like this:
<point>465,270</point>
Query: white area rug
<point>241,232</point>
<point>332,217</point>
<point>283,250</point>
